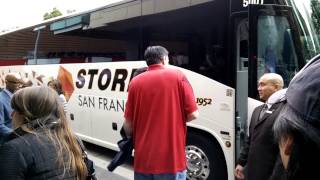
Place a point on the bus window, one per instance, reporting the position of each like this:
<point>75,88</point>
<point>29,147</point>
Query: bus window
<point>276,53</point>
<point>243,35</point>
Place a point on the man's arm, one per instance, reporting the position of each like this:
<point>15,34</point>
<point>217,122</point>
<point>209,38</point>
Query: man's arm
<point>242,161</point>
<point>190,106</point>
<point>243,157</point>
<point>127,126</point>
<point>4,130</point>
<point>244,152</point>
<point>192,116</point>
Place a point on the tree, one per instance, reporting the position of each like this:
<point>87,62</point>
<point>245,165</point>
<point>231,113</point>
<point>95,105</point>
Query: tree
<point>54,13</point>
<point>315,7</point>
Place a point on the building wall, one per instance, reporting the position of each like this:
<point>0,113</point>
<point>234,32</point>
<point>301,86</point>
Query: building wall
<point>17,45</point>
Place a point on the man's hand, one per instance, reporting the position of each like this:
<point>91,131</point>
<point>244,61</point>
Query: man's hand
<point>192,116</point>
<point>127,126</point>
<point>239,172</point>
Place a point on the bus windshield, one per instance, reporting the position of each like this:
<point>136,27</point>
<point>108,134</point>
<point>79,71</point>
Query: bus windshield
<point>277,52</point>
<point>305,15</point>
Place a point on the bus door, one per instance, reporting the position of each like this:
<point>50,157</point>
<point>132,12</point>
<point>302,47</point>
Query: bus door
<point>274,45</point>
<point>267,41</point>
<point>241,26</point>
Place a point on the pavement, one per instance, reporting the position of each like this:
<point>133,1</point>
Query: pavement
<point>102,157</point>
<point>102,174</point>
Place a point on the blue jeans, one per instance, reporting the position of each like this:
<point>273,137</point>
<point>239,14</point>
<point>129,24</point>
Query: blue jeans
<point>182,175</point>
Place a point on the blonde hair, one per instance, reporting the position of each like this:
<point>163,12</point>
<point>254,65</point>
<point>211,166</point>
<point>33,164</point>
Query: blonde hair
<point>273,78</point>
<point>41,109</point>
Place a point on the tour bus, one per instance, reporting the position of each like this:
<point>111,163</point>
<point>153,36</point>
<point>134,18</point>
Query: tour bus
<point>222,46</point>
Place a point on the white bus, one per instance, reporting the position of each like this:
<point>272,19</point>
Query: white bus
<point>223,47</point>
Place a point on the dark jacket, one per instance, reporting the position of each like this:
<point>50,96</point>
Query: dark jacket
<point>32,157</point>
<point>126,146</point>
<point>260,151</point>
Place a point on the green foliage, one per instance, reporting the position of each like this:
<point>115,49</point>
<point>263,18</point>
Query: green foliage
<point>54,13</point>
<point>315,7</point>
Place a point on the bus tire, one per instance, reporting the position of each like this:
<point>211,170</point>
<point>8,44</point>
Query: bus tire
<point>205,161</point>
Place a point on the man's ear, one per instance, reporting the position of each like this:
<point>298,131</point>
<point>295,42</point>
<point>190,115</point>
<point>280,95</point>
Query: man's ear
<point>162,61</point>
<point>288,142</point>
<point>165,60</point>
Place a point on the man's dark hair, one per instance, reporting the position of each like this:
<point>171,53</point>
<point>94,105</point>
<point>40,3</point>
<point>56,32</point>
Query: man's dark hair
<point>154,54</point>
<point>305,148</point>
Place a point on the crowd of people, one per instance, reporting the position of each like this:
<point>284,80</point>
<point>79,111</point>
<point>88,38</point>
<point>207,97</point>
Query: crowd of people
<point>36,140</point>
<point>283,140</point>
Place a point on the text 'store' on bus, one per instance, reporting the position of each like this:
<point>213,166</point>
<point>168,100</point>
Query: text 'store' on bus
<point>223,47</point>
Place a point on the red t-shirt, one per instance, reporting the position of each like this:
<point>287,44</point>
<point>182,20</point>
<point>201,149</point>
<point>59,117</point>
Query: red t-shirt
<point>159,101</point>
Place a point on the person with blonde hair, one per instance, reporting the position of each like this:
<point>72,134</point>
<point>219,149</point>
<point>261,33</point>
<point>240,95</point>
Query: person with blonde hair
<point>56,85</point>
<point>42,145</point>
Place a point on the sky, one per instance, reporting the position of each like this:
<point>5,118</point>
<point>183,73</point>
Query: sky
<point>23,13</point>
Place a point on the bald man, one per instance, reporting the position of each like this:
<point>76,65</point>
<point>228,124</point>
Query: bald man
<point>260,152</point>
<point>13,82</point>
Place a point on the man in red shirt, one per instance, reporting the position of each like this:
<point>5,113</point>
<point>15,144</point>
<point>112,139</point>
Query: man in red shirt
<point>160,102</point>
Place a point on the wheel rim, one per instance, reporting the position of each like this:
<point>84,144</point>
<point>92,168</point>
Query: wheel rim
<point>197,163</point>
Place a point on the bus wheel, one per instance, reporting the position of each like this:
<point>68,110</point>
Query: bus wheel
<point>204,160</point>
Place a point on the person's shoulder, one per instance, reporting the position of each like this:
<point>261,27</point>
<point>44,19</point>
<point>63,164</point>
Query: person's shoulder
<point>135,79</point>
<point>3,94</point>
<point>21,147</point>
<point>16,139</point>
<point>9,149</point>
<point>140,71</point>
<point>140,77</point>
<point>173,69</point>
<point>16,144</point>
<point>27,144</point>
<point>4,99</point>
<point>174,72</point>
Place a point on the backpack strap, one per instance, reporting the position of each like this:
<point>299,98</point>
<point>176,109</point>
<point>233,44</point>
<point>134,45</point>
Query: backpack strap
<point>89,163</point>
<point>81,145</point>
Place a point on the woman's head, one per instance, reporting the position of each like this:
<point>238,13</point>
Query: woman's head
<point>36,103</point>
<point>290,129</point>
<point>299,144</point>
<point>37,110</point>
<point>297,128</point>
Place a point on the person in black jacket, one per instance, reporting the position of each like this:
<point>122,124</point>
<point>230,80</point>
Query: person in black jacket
<point>297,129</point>
<point>42,146</point>
<point>260,152</point>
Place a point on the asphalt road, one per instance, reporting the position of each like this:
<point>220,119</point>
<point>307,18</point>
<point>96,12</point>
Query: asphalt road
<point>101,157</point>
